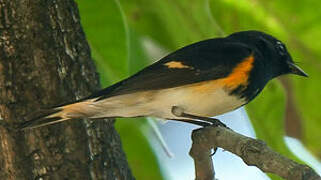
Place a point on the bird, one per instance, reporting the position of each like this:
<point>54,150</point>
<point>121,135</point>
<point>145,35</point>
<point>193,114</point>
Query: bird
<point>192,84</point>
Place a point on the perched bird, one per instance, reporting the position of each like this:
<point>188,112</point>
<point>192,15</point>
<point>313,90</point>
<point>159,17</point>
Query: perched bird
<point>192,84</point>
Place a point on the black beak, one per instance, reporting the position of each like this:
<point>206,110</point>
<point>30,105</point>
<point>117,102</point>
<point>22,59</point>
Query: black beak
<point>294,69</point>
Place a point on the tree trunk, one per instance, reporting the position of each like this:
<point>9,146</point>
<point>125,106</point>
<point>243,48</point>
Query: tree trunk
<point>45,60</point>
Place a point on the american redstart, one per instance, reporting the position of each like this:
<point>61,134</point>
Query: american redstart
<point>192,84</point>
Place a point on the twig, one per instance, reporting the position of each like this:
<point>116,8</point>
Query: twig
<point>253,152</point>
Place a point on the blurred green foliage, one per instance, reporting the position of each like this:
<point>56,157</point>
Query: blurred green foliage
<point>116,30</point>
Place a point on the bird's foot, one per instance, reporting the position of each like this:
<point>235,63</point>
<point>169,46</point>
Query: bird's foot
<point>197,120</point>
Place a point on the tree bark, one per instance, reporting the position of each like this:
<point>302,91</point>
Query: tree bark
<point>44,61</point>
<point>253,152</point>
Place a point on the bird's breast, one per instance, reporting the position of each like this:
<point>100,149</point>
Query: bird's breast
<point>208,99</point>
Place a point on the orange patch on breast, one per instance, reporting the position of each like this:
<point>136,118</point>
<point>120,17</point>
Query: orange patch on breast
<point>240,74</point>
<point>176,64</point>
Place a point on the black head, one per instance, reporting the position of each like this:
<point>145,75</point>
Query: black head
<point>276,58</point>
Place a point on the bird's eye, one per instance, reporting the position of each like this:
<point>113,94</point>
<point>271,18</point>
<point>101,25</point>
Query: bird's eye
<point>280,48</point>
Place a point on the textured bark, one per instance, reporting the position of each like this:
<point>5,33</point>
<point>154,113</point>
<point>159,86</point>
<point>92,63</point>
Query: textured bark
<point>44,61</point>
<point>253,152</point>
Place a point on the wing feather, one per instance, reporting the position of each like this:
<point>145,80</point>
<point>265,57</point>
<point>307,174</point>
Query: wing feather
<point>206,60</point>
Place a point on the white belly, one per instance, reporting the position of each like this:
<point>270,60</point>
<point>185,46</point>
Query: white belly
<point>159,103</point>
<point>201,104</point>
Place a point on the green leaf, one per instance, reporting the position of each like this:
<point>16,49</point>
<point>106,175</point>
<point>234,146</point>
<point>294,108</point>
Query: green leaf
<point>105,30</point>
<point>294,24</point>
<point>302,24</point>
<point>140,156</point>
<point>234,16</point>
<point>267,113</point>
<point>267,116</point>
<point>172,24</point>
<point>137,55</point>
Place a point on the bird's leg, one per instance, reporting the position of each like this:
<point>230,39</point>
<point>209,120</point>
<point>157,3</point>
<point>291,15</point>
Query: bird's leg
<point>195,122</point>
<point>179,112</point>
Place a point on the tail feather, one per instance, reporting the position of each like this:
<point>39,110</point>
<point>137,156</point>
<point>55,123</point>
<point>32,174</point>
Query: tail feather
<point>42,118</point>
<point>55,115</point>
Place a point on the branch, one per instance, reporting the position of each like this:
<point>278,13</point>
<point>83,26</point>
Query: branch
<point>253,152</point>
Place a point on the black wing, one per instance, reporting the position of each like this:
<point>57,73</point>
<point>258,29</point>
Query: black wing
<point>205,60</point>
